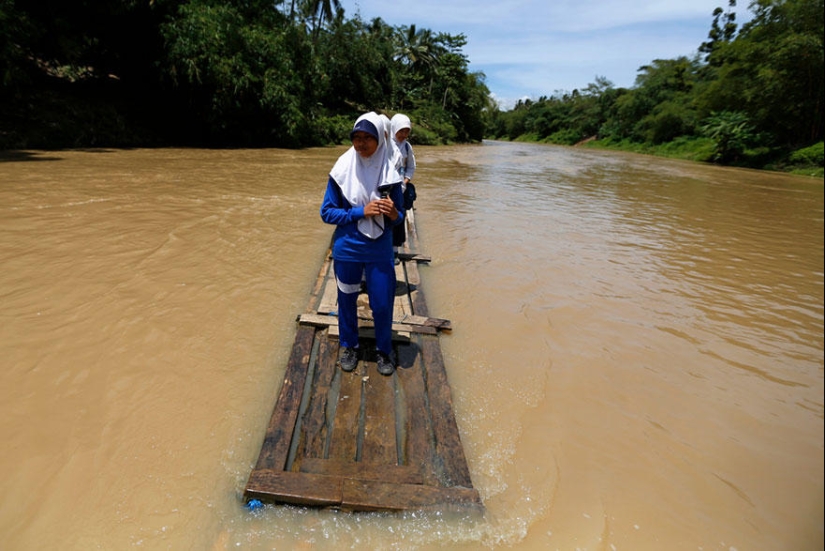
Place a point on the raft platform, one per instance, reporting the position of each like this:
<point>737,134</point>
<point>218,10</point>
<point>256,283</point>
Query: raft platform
<point>362,441</point>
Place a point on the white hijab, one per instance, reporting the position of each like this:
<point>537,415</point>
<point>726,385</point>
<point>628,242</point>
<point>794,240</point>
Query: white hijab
<point>359,178</point>
<point>399,122</point>
<point>393,152</point>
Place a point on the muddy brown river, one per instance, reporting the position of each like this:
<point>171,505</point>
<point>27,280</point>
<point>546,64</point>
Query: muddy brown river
<point>636,360</point>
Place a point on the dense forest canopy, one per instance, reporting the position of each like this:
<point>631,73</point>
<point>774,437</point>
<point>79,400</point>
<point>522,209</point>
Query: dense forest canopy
<point>222,73</point>
<point>296,73</point>
<point>752,95</point>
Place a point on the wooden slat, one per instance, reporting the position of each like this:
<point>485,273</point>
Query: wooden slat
<point>320,283</point>
<point>379,421</point>
<point>417,440</point>
<point>412,276</point>
<point>412,324</point>
<point>414,257</point>
<point>445,430</point>
<point>329,300</point>
<point>419,305</point>
<point>354,494</point>
<point>368,333</point>
<point>275,447</point>
<point>401,474</point>
<point>317,320</point>
<point>366,495</point>
<point>346,429</point>
<point>401,306</point>
<point>412,230</point>
<point>297,488</point>
<point>423,321</point>
<point>314,426</point>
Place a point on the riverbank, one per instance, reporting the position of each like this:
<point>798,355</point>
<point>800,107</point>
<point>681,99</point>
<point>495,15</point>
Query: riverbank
<point>805,162</point>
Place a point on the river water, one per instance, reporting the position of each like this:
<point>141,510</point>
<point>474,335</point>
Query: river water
<point>636,360</point>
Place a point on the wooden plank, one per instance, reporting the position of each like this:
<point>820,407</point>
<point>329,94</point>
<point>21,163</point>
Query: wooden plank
<point>419,305</point>
<point>402,474</point>
<point>414,257</point>
<point>368,333</point>
<point>320,283</point>
<point>329,300</point>
<point>275,447</point>
<point>354,494</point>
<point>315,424</point>
<point>412,276</point>
<point>445,430</point>
<point>317,320</point>
<point>423,321</point>
<point>401,306</point>
<point>417,437</point>
<point>346,430</point>
<point>412,324</point>
<point>369,495</point>
<point>380,444</point>
<point>412,230</point>
<point>297,488</point>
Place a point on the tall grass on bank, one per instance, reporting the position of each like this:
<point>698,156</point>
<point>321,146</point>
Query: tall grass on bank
<point>807,161</point>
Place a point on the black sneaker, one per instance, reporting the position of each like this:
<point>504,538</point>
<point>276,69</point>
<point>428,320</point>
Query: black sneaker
<point>386,364</point>
<point>348,358</point>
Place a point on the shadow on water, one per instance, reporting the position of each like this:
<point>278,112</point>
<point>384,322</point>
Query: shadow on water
<point>17,155</point>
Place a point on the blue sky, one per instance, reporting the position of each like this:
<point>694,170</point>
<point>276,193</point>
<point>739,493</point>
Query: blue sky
<point>533,48</point>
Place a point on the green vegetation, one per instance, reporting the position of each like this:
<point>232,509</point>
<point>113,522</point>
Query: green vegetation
<point>751,98</point>
<point>222,73</point>
<point>226,73</point>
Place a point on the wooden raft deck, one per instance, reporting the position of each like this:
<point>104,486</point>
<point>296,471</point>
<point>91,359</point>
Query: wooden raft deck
<point>362,441</point>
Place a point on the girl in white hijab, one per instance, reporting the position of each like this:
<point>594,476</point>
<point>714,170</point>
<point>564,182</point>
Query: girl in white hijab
<point>364,201</point>
<point>400,131</point>
<point>392,149</point>
<point>401,128</point>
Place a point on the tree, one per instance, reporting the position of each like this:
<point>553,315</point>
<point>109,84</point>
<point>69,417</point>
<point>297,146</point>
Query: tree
<point>240,83</point>
<point>415,48</point>
<point>230,72</point>
<point>644,113</point>
<point>14,28</point>
<point>719,35</point>
<point>322,10</point>
<point>731,133</point>
<point>773,71</point>
<point>356,66</point>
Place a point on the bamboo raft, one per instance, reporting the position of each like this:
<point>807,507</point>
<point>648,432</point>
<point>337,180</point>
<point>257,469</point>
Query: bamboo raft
<point>362,441</point>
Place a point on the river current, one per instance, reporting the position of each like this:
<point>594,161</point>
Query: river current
<point>636,360</point>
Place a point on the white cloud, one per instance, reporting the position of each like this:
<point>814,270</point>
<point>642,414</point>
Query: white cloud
<point>538,47</point>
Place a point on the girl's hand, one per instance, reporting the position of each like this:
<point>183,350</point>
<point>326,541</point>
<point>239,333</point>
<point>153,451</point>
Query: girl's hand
<point>381,206</point>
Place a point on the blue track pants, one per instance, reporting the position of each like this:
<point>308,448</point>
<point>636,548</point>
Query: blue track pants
<point>380,279</point>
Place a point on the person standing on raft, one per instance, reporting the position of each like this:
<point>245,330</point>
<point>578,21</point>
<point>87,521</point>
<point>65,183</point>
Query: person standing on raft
<point>364,200</point>
<point>401,128</point>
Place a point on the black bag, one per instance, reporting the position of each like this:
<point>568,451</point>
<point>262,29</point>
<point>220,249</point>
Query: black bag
<point>409,196</point>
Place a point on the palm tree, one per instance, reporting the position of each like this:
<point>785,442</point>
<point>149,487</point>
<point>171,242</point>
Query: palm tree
<point>322,10</point>
<point>420,52</point>
<point>415,48</point>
